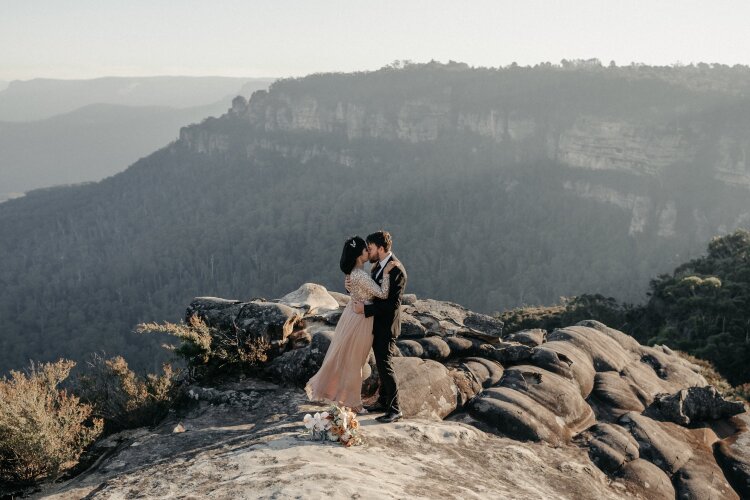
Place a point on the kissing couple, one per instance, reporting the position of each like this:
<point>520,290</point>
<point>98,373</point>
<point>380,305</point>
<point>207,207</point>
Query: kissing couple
<point>371,319</point>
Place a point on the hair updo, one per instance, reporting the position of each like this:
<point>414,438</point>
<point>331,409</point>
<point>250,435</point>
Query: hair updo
<point>352,249</point>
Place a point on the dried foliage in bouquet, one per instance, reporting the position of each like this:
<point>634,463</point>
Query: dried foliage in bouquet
<point>339,423</point>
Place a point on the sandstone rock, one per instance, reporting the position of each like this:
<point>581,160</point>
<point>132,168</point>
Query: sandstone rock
<point>557,394</point>
<point>447,318</point>
<point>462,347</point>
<point>606,353</point>
<point>410,348</point>
<point>581,366</point>
<point>613,396</point>
<point>297,366</point>
<point>552,361</point>
<point>625,340</point>
<point>657,444</point>
<point>426,388</point>
<point>258,318</point>
<point>507,353</point>
<point>487,372</point>
<point>516,415</point>
<point>216,312</point>
<point>411,328</point>
<point>733,455</point>
<point>484,323</point>
<point>266,319</point>
<point>434,348</point>
<point>610,446</point>
<point>467,386</point>
<point>532,338</point>
<point>696,404</point>
<point>310,297</point>
<point>408,299</point>
<point>647,480</point>
<point>702,478</point>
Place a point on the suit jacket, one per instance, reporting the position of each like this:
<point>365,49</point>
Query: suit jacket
<point>387,312</point>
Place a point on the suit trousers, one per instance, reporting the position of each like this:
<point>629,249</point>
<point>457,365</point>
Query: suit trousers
<point>384,347</point>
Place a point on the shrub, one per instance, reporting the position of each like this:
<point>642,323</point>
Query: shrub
<point>211,351</point>
<point>43,430</point>
<point>714,378</point>
<point>123,399</point>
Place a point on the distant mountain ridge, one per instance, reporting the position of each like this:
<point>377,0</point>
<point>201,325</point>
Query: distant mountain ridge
<point>42,98</point>
<point>119,120</point>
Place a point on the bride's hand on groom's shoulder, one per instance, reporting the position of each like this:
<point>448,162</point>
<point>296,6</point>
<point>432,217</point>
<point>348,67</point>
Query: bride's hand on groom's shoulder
<point>391,265</point>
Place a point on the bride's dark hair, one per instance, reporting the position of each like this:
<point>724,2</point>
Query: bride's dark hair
<point>352,249</point>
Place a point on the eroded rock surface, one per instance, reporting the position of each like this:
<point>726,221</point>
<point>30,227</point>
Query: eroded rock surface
<point>584,411</point>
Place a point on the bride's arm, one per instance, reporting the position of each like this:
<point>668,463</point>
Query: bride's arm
<point>368,285</point>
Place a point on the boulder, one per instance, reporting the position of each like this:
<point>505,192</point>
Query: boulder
<point>484,323</point>
<point>411,328</point>
<point>410,348</point>
<point>461,347</point>
<point>298,365</point>
<point>507,353</point>
<point>555,393</point>
<point>610,446</point>
<point>702,478</point>
<point>434,348</point>
<point>408,299</point>
<point>581,365</point>
<point>259,318</point>
<point>658,443</point>
<point>215,312</point>
<point>272,321</point>
<point>614,396</point>
<point>426,388</point>
<point>733,455</point>
<point>517,416</point>
<point>310,297</point>
<point>696,404</point>
<point>487,372</point>
<point>647,480</point>
<point>532,338</point>
<point>606,353</point>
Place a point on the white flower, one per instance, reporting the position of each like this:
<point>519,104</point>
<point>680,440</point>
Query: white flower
<point>332,436</point>
<point>345,437</point>
<point>325,422</point>
<point>309,421</point>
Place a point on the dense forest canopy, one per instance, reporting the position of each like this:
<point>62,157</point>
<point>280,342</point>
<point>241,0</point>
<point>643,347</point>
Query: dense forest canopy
<point>489,222</point>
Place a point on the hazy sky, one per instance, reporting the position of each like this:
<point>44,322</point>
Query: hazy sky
<point>92,38</point>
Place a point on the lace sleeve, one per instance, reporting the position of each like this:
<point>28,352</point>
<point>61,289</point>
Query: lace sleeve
<point>368,286</point>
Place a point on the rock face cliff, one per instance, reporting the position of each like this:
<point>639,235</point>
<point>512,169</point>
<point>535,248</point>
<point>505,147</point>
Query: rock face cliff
<point>659,133</point>
<point>581,412</point>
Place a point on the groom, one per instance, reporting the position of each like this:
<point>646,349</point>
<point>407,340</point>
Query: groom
<point>386,324</point>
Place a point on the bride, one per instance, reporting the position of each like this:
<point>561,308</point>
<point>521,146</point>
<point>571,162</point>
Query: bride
<point>339,379</point>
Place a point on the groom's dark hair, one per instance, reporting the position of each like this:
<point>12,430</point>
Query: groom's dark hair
<point>353,248</point>
<point>381,239</point>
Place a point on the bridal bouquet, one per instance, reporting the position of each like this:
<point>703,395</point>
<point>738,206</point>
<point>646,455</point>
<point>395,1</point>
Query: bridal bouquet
<point>338,424</point>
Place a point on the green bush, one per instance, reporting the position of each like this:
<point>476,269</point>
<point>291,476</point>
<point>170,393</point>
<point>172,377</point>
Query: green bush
<point>43,429</point>
<point>123,399</point>
<point>211,351</point>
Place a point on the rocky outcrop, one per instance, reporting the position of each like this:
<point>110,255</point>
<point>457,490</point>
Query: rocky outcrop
<point>629,420</point>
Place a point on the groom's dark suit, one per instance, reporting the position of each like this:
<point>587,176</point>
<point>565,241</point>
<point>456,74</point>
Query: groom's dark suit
<point>385,329</point>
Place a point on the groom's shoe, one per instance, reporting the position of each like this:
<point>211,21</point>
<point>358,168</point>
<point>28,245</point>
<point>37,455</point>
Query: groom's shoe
<point>376,408</point>
<point>390,417</point>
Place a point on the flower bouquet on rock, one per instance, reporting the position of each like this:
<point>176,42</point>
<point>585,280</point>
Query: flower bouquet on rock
<point>337,424</point>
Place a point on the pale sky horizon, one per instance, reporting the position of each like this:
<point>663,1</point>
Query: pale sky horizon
<point>97,38</point>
